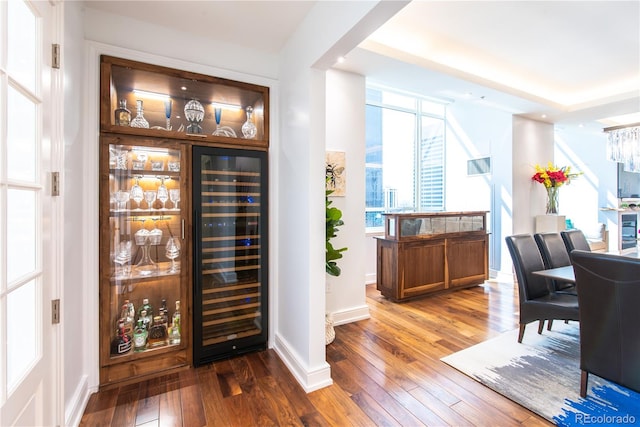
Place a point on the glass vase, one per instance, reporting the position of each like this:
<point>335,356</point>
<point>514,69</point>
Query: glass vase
<point>552,200</point>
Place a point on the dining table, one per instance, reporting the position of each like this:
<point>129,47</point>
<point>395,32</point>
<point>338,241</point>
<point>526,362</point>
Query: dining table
<point>566,274</point>
<point>562,274</point>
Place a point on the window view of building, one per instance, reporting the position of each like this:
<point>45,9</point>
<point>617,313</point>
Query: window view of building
<point>404,154</point>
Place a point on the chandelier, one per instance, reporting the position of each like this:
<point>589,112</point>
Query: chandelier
<point>623,146</point>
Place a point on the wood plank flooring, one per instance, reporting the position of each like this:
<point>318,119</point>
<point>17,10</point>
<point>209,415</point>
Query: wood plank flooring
<point>386,371</point>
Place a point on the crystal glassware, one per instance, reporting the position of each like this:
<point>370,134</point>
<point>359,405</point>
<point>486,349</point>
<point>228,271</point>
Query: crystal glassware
<point>249,129</point>
<point>174,196</point>
<point>139,121</point>
<point>162,193</point>
<point>222,130</point>
<point>123,259</point>
<point>118,159</point>
<point>136,193</point>
<point>150,197</point>
<point>167,113</point>
<point>157,165</point>
<point>172,251</point>
<point>194,113</point>
<point>155,235</point>
<point>146,266</point>
<point>122,197</point>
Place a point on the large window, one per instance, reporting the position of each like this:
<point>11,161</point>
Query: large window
<point>405,154</point>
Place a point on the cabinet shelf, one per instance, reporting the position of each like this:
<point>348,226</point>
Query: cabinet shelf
<point>134,276</point>
<point>131,80</point>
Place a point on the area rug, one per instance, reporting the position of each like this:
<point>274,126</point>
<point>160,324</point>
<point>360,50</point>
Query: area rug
<point>543,374</point>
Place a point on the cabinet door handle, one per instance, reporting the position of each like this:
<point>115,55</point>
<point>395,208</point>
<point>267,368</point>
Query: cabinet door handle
<point>182,231</point>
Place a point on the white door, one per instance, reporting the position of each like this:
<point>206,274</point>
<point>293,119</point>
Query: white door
<point>28,224</point>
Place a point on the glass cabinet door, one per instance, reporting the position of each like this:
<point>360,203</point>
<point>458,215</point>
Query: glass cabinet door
<point>143,230</point>
<point>230,295</point>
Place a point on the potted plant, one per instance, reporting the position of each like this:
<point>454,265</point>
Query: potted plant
<point>334,220</point>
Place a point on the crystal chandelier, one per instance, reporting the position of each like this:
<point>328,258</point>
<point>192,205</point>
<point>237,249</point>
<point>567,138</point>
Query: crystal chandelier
<point>623,146</point>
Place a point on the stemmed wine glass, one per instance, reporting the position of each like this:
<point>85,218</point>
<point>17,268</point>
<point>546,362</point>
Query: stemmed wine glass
<point>150,197</point>
<point>174,196</point>
<point>162,193</point>
<point>222,130</point>
<point>172,251</point>
<point>167,112</point>
<point>136,192</point>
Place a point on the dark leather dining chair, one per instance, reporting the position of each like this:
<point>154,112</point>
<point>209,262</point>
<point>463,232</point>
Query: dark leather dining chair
<point>537,302</point>
<point>554,254</point>
<point>609,317</point>
<point>575,239</point>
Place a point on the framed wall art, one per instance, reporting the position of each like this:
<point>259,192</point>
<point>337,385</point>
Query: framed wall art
<point>335,172</point>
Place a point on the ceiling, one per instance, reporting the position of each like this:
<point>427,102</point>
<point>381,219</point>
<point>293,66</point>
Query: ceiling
<point>567,62</point>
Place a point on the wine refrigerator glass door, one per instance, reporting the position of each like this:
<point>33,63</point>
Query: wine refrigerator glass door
<point>230,252</point>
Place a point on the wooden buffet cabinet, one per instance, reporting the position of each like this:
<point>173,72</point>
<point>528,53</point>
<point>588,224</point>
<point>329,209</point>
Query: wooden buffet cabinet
<point>183,219</point>
<point>424,253</point>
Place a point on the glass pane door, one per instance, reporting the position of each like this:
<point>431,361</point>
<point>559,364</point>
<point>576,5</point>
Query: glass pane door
<point>28,224</point>
<point>144,268</point>
<point>230,254</point>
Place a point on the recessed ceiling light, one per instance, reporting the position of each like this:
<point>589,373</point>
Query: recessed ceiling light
<point>341,59</point>
<point>544,116</point>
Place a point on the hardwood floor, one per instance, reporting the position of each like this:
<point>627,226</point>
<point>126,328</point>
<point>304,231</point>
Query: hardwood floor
<point>386,371</point>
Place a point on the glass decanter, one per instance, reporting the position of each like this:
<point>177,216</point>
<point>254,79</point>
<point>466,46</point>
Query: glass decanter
<point>122,114</point>
<point>249,129</point>
<point>146,266</point>
<point>139,121</point>
<point>194,113</point>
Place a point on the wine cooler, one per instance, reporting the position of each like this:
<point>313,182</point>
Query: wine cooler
<point>230,252</point>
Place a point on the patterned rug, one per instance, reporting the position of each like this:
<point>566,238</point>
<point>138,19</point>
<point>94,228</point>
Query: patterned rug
<point>543,374</point>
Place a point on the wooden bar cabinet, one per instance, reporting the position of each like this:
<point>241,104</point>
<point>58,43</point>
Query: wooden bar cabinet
<point>424,253</point>
<point>183,219</point>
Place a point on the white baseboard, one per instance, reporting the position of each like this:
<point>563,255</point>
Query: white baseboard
<point>351,315</point>
<point>502,277</point>
<point>370,279</point>
<point>310,380</point>
<point>74,410</point>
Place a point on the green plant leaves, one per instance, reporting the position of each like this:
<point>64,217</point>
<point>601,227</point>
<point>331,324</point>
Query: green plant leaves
<point>334,220</point>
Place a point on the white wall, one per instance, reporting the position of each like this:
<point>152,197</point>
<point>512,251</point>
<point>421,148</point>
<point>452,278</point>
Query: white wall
<point>532,144</point>
<point>165,41</point>
<point>77,343</point>
<point>346,95</point>
<point>474,131</point>
<point>584,149</point>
